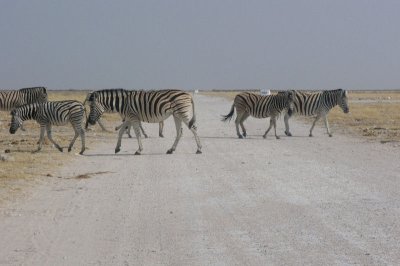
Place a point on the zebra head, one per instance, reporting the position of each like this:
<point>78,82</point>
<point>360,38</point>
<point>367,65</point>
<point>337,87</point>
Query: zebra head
<point>42,97</point>
<point>289,100</point>
<point>96,109</point>
<point>16,121</point>
<point>342,100</point>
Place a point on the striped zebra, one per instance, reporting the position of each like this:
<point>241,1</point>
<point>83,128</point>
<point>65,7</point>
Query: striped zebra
<point>15,98</point>
<point>111,101</point>
<point>151,107</point>
<point>317,104</point>
<point>48,114</point>
<point>251,104</point>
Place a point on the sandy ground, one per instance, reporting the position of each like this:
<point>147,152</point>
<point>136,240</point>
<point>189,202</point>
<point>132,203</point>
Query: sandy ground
<point>293,201</point>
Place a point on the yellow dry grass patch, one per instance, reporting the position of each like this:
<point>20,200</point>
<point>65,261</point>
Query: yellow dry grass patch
<point>21,167</point>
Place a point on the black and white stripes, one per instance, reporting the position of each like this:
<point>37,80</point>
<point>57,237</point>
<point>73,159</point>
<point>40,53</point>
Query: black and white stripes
<point>15,98</point>
<point>317,104</point>
<point>151,107</point>
<point>112,101</point>
<point>51,113</point>
<point>251,104</point>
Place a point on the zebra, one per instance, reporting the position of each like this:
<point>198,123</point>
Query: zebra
<point>318,104</point>
<point>251,104</point>
<point>15,98</point>
<point>151,107</point>
<point>51,113</point>
<point>111,101</point>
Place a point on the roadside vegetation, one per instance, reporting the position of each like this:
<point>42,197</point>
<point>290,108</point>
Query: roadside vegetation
<point>19,167</point>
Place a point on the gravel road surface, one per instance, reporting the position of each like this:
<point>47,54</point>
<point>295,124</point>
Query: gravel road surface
<point>254,201</point>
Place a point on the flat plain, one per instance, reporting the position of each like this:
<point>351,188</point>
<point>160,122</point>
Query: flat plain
<point>255,201</point>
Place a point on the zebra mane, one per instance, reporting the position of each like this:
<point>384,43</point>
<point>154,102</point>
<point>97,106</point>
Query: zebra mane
<point>36,89</point>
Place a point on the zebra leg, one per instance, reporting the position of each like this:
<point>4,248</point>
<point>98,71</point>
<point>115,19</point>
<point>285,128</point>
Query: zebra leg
<point>178,126</point>
<point>128,131</point>
<point>78,132</point>
<point>271,123</point>
<point>160,129</point>
<point>274,121</point>
<point>313,125</point>
<point>136,128</point>
<point>82,133</point>
<point>144,133</point>
<point>73,140</point>
<point>101,125</point>
<point>237,122</point>
<point>286,119</point>
<point>51,138</point>
<point>327,126</point>
<point>194,131</point>
<point>244,117</point>
<point>41,138</point>
<point>120,133</point>
<point>119,127</point>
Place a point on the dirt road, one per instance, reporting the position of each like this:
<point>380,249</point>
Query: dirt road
<point>293,201</point>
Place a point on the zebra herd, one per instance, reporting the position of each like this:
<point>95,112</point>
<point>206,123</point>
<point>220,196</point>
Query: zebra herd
<point>136,107</point>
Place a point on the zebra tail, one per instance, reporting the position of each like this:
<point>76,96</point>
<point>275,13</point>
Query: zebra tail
<point>229,116</point>
<point>193,120</point>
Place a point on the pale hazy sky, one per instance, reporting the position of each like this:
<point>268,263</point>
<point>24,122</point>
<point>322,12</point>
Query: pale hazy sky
<point>188,44</point>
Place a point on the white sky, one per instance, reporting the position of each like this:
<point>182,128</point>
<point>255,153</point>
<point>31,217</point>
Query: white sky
<point>206,44</point>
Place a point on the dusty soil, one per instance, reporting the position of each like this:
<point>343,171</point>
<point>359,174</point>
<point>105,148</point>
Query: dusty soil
<point>293,201</point>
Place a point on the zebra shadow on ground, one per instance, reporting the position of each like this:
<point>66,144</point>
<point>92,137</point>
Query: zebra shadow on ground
<point>249,137</point>
<point>134,155</point>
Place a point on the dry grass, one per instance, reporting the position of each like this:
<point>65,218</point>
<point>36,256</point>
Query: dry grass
<point>373,114</point>
<point>21,166</point>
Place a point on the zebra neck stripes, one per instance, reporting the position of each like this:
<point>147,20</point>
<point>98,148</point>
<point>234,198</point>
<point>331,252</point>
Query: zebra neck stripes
<point>27,112</point>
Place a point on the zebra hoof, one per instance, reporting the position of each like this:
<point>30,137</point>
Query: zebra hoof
<point>145,136</point>
<point>81,153</point>
<point>264,136</point>
<point>170,151</point>
<point>137,153</point>
<point>240,136</point>
<point>60,149</point>
<point>310,135</point>
<point>117,150</point>
<point>161,135</point>
<point>198,152</point>
<point>288,133</point>
<point>69,149</point>
<point>277,137</point>
<point>244,134</point>
<point>330,135</point>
